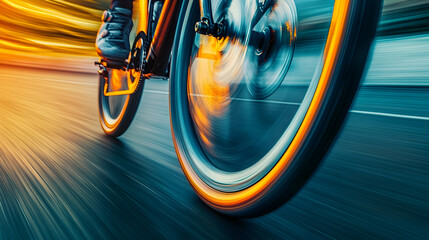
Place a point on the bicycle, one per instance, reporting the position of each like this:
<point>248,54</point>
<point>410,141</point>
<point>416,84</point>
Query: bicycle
<point>232,70</point>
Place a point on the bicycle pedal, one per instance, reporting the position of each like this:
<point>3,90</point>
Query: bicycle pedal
<point>122,65</point>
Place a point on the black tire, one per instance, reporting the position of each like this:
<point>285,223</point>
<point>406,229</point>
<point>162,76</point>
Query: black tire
<point>342,68</point>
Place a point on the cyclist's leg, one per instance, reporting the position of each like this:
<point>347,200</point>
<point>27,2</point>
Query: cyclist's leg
<point>112,41</point>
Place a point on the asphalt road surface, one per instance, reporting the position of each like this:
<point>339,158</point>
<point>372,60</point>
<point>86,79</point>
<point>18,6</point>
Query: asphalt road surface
<point>60,177</point>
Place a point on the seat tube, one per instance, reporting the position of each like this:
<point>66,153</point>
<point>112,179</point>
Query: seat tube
<point>142,13</point>
<point>162,43</point>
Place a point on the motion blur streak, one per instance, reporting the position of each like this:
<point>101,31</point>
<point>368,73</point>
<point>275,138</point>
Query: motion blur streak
<point>61,178</point>
<point>53,27</point>
<point>47,27</point>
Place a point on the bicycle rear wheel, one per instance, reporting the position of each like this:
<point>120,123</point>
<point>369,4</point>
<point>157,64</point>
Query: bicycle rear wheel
<point>251,122</point>
<point>117,112</point>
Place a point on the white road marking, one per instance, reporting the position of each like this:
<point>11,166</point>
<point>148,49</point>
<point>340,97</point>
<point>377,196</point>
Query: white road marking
<point>255,100</point>
<point>248,100</point>
<point>266,101</point>
<point>294,103</point>
<point>53,80</point>
<point>391,115</point>
<point>157,92</point>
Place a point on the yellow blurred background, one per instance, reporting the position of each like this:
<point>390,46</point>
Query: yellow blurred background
<point>55,32</point>
<point>48,30</point>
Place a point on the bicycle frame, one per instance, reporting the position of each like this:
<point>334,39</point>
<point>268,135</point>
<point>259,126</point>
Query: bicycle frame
<point>161,45</point>
<point>162,42</point>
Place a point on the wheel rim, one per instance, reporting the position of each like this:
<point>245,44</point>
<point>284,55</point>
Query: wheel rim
<point>114,107</point>
<point>193,126</point>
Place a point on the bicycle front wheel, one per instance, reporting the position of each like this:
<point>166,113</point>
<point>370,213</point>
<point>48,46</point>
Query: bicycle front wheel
<point>252,120</point>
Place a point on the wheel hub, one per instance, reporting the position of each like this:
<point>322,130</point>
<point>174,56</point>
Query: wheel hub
<point>261,54</point>
<point>268,64</point>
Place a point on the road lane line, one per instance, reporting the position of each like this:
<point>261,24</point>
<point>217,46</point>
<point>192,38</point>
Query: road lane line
<point>252,100</point>
<point>391,115</point>
<point>266,101</point>
<point>158,92</point>
<point>294,103</point>
<point>53,80</point>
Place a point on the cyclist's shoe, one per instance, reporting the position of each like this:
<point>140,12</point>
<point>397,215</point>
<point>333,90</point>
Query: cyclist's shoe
<point>113,37</point>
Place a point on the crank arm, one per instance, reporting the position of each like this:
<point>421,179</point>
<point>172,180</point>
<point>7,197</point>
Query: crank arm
<point>132,88</point>
<point>119,93</point>
<point>112,64</point>
<point>103,72</point>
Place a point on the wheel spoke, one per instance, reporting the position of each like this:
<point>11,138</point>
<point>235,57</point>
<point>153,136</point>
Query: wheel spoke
<point>261,9</point>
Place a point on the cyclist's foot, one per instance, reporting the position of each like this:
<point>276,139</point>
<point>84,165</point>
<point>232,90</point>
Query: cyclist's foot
<point>113,37</point>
